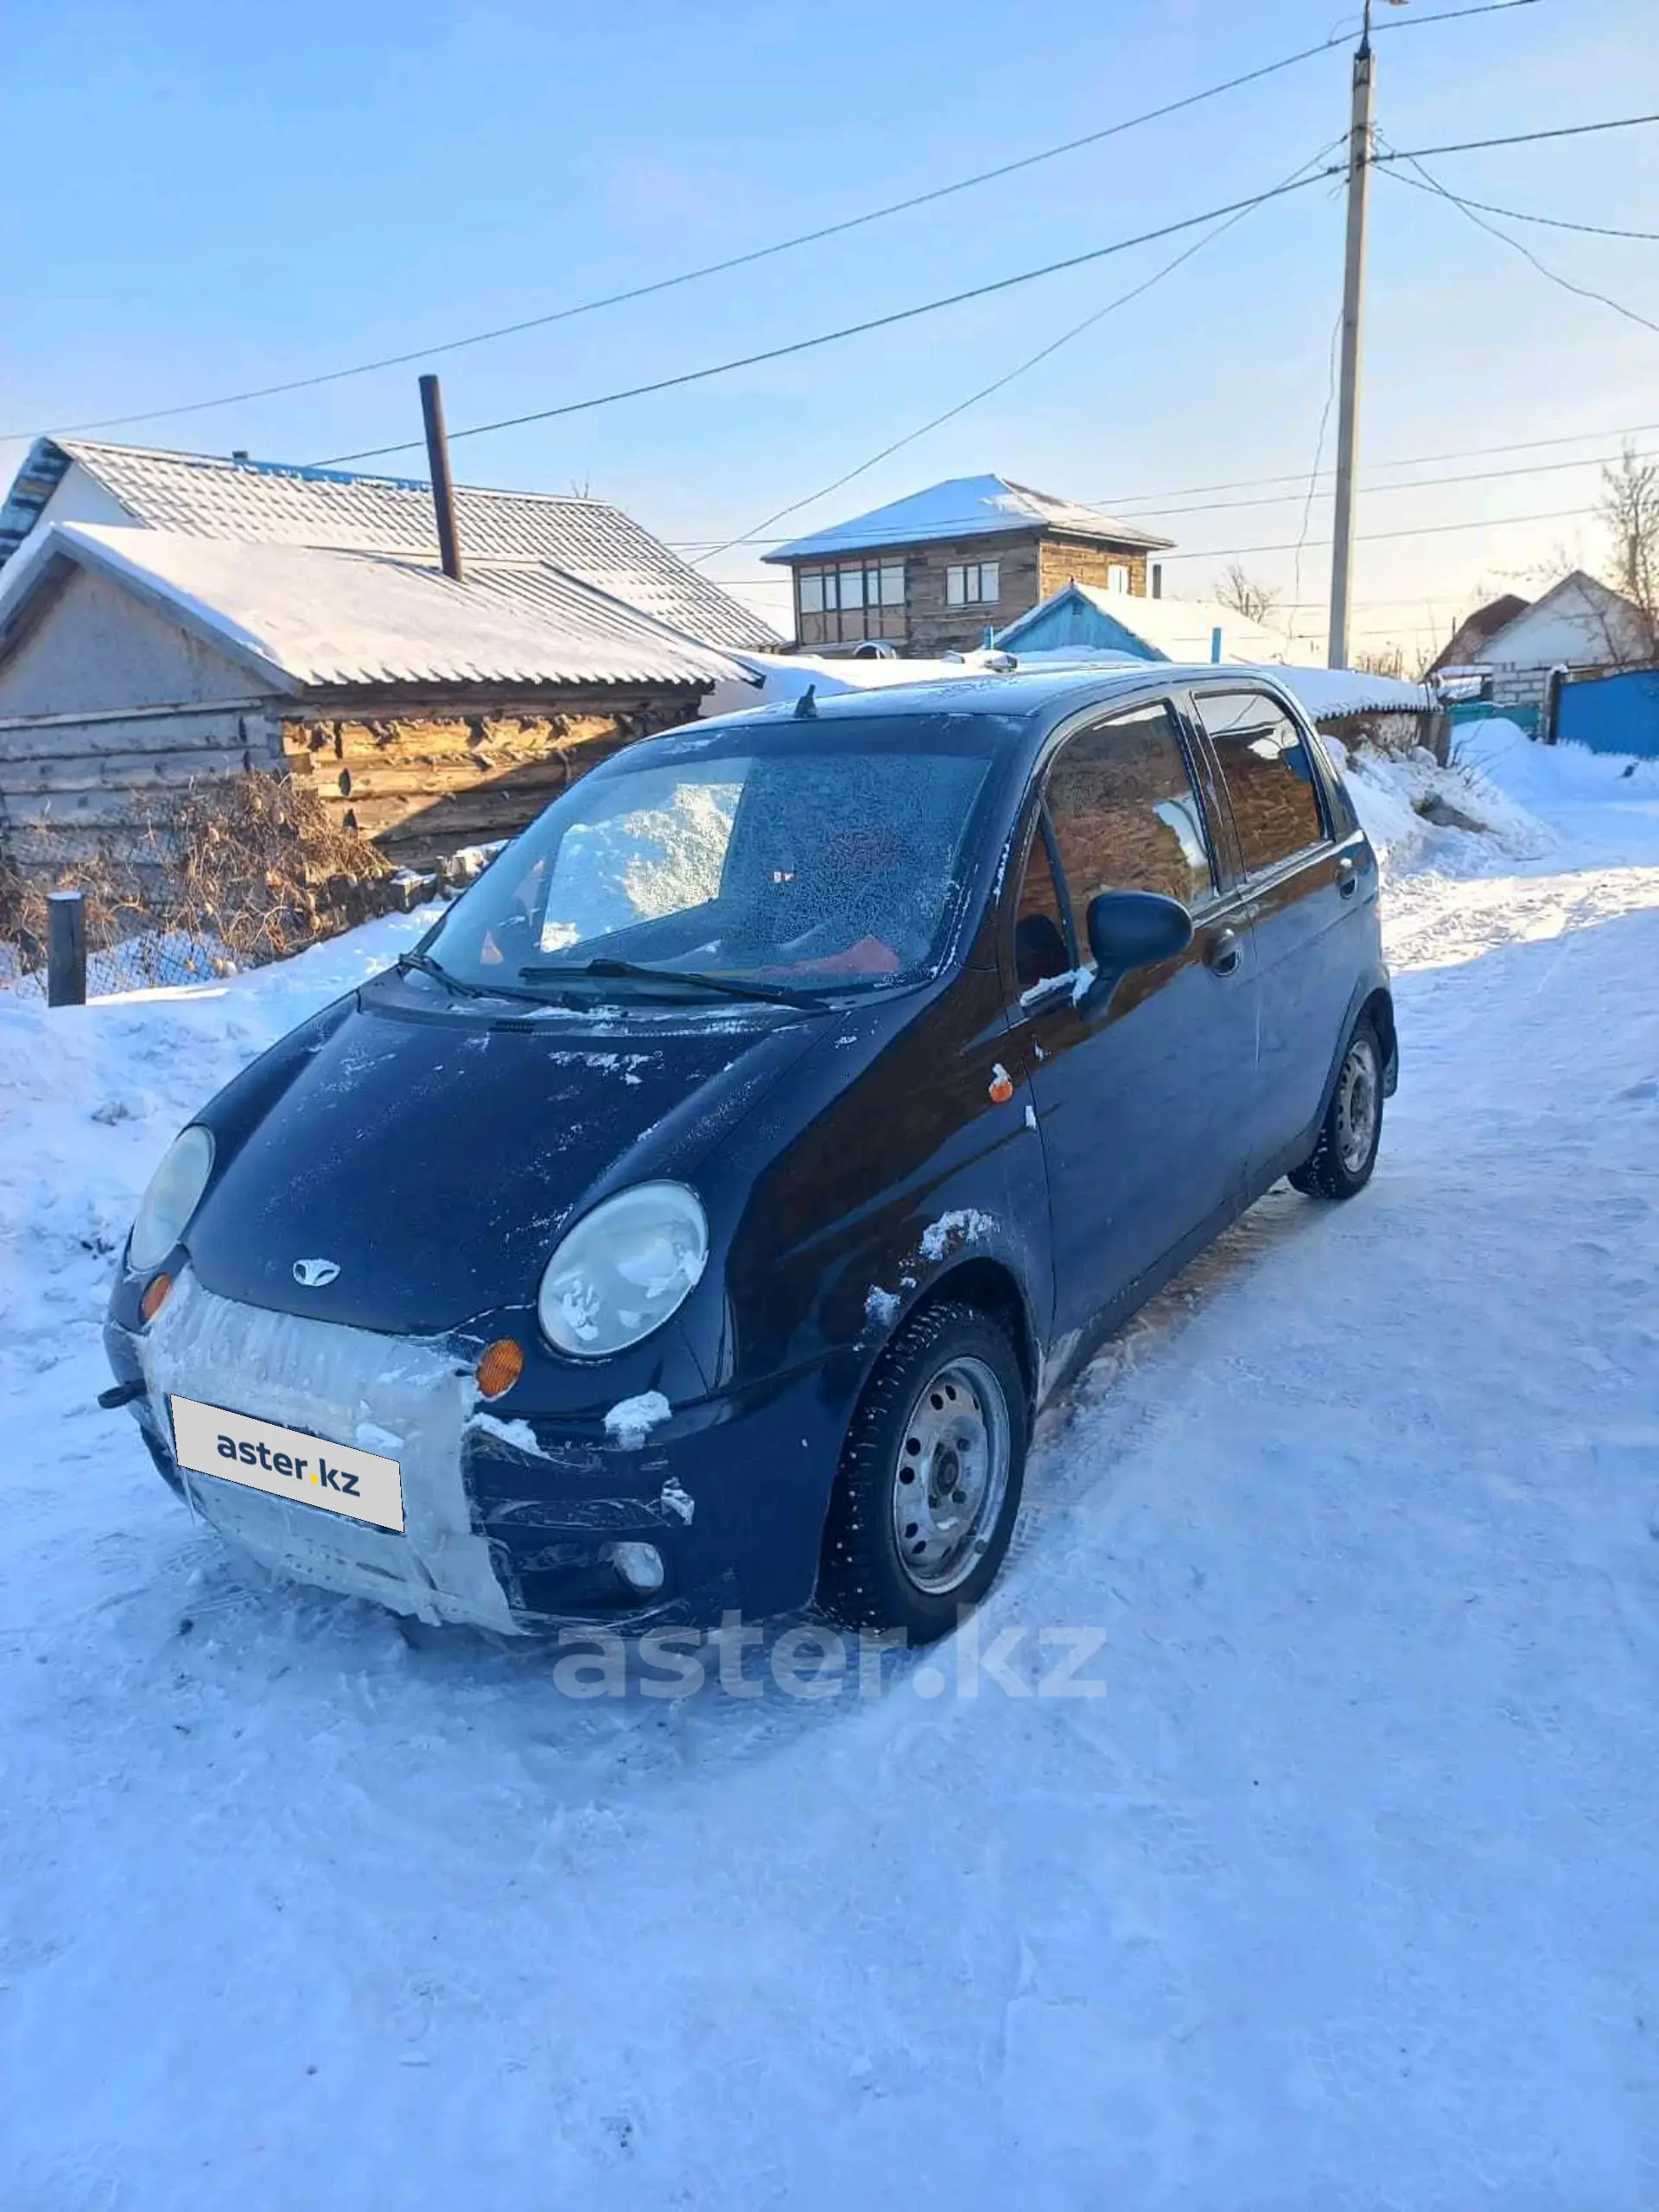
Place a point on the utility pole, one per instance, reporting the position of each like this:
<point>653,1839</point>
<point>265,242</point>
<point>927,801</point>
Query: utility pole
<point>1360,147</point>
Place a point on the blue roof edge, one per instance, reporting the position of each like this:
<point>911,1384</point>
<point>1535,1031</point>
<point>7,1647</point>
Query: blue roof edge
<point>44,467</point>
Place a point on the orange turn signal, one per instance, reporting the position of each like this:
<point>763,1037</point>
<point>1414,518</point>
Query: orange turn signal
<point>154,1297</point>
<point>500,1366</point>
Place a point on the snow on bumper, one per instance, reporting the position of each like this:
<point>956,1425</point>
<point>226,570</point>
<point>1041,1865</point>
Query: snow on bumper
<point>398,1395</point>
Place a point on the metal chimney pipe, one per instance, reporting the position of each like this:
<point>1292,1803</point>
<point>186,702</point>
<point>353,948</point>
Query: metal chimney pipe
<point>443,490</point>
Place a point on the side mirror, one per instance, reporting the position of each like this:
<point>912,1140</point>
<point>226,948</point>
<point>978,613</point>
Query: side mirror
<point>1132,929</point>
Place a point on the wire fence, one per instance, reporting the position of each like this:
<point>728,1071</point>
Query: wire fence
<point>79,943</point>
<point>148,961</point>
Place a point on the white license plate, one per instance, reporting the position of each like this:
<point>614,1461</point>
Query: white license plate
<point>286,1463</point>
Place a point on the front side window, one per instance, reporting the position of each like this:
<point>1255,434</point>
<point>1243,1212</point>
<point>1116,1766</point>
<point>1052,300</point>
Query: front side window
<point>850,600</point>
<point>1125,817</point>
<point>1041,939</point>
<point>972,584</point>
<point>1269,778</point>
<point>827,867</point>
<point>1117,576</point>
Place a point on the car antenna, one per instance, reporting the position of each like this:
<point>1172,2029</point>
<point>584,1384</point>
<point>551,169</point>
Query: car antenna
<point>806,706</point>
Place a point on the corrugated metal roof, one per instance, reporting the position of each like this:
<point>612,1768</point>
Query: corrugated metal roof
<point>305,617</point>
<point>967,506</point>
<point>273,503</point>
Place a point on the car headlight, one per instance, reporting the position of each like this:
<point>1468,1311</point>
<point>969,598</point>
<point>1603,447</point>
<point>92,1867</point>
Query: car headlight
<point>624,1269</point>
<point>175,1191</point>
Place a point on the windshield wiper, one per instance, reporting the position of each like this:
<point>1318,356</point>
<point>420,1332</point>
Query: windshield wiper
<point>462,988</point>
<point>777,994</point>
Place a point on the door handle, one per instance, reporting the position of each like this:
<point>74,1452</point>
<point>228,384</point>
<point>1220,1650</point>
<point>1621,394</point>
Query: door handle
<point>1347,876</point>
<point>1221,951</point>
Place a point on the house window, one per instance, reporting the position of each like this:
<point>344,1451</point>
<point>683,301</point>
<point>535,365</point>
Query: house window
<point>972,584</point>
<point>1117,576</point>
<point>845,603</point>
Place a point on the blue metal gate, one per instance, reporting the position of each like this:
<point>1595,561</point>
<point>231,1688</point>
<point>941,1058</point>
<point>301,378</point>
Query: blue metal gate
<point>1613,713</point>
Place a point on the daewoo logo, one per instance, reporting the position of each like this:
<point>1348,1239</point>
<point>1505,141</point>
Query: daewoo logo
<point>313,1274</point>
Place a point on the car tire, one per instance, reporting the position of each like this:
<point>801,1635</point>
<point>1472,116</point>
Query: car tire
<point>928,1488</point>
<point>1340,1164</point>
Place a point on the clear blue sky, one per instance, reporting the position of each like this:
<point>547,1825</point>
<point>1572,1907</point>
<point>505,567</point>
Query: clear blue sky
<point>202,197</point>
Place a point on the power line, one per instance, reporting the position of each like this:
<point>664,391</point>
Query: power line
<point>901,534</point>
<point>1374,536</point>
<point>957,299</point>
<point>847,330</point>
<point>1122,506</point>
<point>1288,545</point>
<point>781,246</point>
<point>1513,139</point>
<point>1551,222</point>
<point>1424,183</point>
<point>1408,484</point>
<point>1319,449</point>
<point>1000,383</point>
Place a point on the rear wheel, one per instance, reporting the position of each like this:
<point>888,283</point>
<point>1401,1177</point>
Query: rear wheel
<point>1340,1164</point>
<point>929,1486</point>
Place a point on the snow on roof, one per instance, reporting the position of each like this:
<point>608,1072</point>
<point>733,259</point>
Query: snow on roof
<point>967,506</point>
<point>275,502</point>
<point>1327,693</point>
<point>1179,629</point>
<point>305,617</point>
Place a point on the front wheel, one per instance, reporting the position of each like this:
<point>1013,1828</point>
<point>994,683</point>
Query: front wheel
<point>929,1485</point>
<point>1340,1164</point>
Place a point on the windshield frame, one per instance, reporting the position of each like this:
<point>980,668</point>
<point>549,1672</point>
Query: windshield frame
<point>992,738</point>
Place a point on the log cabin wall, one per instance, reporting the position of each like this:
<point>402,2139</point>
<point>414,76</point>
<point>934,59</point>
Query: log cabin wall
<point>420,778</point>
<point>431,777</point>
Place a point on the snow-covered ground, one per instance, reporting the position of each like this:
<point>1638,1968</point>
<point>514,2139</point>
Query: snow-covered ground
<point>1340,1894</point>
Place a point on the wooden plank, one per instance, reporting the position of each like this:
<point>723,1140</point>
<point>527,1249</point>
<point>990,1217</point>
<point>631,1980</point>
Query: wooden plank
<point>184,708</point>
<point>104,739</point>
<point>74,810</point>
<point>149,771</point>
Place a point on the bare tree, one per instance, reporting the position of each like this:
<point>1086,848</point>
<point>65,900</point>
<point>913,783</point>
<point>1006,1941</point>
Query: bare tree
<point>1383,660</point>
<point>1629,512</point>
<point>1254,601</point>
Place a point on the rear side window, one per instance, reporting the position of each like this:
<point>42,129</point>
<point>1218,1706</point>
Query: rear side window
<point>1268,775</point>
<point>1125,817</point>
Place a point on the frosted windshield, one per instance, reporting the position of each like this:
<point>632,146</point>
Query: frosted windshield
<point>831,869</point>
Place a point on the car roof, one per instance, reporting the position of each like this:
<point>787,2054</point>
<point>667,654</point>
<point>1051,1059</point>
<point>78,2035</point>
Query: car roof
<point>1038,696</point>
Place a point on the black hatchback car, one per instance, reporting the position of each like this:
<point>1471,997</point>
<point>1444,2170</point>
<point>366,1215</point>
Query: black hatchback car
<point>696,1219</point>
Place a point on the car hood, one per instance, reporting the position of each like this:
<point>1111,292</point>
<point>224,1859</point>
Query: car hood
<point>433,1159</point>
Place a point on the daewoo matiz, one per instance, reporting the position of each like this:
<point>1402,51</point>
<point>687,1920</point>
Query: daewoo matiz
<point>696,1218</point>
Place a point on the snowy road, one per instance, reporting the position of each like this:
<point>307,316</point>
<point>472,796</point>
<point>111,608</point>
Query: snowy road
<point>1340,1896</point>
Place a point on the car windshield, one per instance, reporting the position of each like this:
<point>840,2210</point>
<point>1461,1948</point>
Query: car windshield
<point>788,867</point>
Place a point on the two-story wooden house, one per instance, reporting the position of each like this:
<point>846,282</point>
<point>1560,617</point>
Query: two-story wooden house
<point>929,573</point>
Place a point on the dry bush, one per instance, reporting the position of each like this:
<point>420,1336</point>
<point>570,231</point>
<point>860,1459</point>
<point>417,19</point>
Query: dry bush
<point>223,875</point>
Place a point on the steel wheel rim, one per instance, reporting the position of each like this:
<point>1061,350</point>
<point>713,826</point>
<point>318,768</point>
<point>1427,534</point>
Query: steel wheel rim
<point>952,1476</point>
<point>1358,1097</point>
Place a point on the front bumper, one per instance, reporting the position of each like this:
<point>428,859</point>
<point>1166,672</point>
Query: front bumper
<point>510,1520</point>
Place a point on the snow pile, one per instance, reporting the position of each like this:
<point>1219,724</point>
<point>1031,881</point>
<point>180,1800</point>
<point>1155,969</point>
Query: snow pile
<point>1456,818</point>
